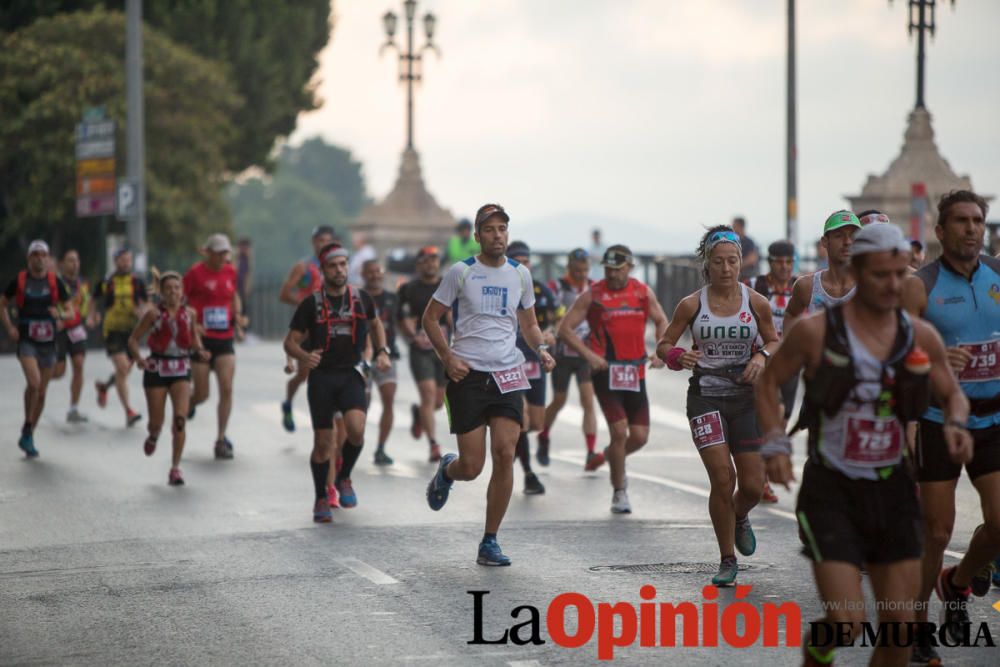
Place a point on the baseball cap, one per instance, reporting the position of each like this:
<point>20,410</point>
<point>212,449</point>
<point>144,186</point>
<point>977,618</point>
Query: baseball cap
<point>781,249</point>
<point>879,237</point>
<point>428,251</point>
<point>518,249</point>
<point>218,243</point>
<point>38,245</point>
<point>872,215</point>
<point>617,256</point>
<point>840,219</point>
<point>487,211</point>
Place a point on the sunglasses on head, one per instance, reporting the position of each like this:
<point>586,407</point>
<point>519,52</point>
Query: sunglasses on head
<point>579,254</point>
<point>723,235</point>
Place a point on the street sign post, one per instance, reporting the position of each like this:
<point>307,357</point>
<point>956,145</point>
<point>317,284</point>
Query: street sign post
<point>127,199</point>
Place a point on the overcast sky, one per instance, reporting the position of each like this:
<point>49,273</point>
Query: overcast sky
<point>654,117</point>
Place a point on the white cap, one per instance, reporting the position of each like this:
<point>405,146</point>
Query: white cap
<point>38,245</point>
<point>218,243</point>
<point>879,237</point>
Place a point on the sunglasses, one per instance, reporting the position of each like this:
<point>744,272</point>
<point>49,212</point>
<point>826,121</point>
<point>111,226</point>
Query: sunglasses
<point>721,236</point>
<point>579,254</point>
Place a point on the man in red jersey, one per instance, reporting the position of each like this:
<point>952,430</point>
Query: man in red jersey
<point>210,287</point>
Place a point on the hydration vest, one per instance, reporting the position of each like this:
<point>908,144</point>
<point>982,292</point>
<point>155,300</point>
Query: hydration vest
<point>617,320</point>
<point>22,281</point>
<point>903,394</point>
<point>311,280</point>
<point>331,320</point>
<point>170,332</point>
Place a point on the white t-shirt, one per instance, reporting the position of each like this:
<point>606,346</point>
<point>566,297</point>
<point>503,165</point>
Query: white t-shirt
<point>358,259</point>
<point>484,301</point>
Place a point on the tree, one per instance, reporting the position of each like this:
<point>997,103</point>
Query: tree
<point>268,47</point>
<point>51,71</point>
<point>329,168</point>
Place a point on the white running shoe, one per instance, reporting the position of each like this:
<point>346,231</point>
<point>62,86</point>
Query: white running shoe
<point>76,417</point>
<point>620,503</point>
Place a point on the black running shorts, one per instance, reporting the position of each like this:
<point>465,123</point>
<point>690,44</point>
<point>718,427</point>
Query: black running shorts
<point>334,390</point>
<point>934,465</point>
<point>65,347</point>
<point>217,347</point>
<point>425,365</point>
<point>858,521</point>
<point>472,402</point>
<point>116,342</point>
<point>568,368</point>
<point>730,420</point>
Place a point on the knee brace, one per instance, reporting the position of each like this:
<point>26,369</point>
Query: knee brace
<point>179,421</point>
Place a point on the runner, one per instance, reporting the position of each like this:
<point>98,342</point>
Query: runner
<point>830,286</point>
<point>71,334</point>
<point>569,363</point>
<point>210,288</point>
<point>303,280</point>
<point>387,304</point>
<point>36,292</point>
<point>733,336</point>
<point>426,368</point>
<point>776,287</point>
<point>868,370</point>
<point>492,299</point>
<point>173,337</point>
<point>336,320</point>
<point>123,297</point>
<point>534,398</point>
<point>617,309</point>
<point>958,294</point>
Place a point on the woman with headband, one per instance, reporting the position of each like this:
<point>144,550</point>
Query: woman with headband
<point>725,318</point>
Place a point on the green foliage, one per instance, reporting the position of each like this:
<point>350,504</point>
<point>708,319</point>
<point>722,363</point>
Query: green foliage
<point>269,49</point>
<point>313,184</point>
<point>51,71</point>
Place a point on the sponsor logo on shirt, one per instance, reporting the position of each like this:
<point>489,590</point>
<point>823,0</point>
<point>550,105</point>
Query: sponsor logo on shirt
<point>494,300</point>
<point>744,317</point>
<point>949,301</point>
<point>995,293</point>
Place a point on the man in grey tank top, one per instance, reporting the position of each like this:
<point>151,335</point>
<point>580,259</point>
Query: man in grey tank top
<point>867,368</point>
<point>828,287</point>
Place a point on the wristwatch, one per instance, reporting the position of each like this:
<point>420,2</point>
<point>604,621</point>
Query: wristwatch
<point>542,348</point>
<point>387,351</point>
<point>767,355</point>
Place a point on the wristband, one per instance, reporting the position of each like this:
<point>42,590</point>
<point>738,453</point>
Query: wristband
<point>775,444</point>
<point>673,358</point>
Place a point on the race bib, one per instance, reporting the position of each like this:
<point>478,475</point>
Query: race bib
<point>174,367</point>
<point>872,441</point>
<point>985,363</point>
<point>41,331</point>
<point>707,430</point>
<point>512,379</point>
<point>533,370</point>
<point>623,377</point>
<point>216,318</point>
<point>77,334</point>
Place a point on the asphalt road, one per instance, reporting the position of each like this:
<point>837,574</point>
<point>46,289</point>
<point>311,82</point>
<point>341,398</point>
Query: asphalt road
<point>102,563</point>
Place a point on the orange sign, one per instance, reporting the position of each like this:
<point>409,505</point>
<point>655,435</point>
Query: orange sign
<point>101,185</point>
<point>101,166</point>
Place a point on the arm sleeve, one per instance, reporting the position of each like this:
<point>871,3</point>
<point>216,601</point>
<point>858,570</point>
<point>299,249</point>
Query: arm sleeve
<point>305,314</point>
<point>447,291</point>
<point>11,290</point>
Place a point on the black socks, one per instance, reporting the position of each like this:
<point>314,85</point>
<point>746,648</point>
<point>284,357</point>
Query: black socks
<point>522,452</point>
<point>349,454</point>
<point>320,472</point>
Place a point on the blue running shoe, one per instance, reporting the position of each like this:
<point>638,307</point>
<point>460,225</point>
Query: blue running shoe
<point>746,542</point>
<point>490,554</point>
<point>286,416</point>
<point>438,488</point>
<point>345,490</point>
<point>27,445</point>
<point>726,576</point>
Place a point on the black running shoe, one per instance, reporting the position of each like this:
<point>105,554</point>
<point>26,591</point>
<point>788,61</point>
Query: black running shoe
<point>925,654</point>
<point>954,605</point>
<point>542,451</point>
<point>532,486</point>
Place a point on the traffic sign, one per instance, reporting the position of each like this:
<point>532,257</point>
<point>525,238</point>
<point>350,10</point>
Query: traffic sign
<point>95,164</point>
<point>127,199</point>
<point>91,205</point>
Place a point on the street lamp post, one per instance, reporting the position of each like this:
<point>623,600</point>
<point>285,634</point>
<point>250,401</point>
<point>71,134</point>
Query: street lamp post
<point>410,62</point>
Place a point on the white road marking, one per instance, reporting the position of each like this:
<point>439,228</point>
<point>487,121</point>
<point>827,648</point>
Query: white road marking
<point>698,491</point>
<point>524,663</point>
<point>370,573</point>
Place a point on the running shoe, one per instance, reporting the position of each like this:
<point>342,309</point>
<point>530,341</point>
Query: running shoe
<point>746,542</point>
<point>489,552</point>
<point>191,411</point>
<point>620,503</point>
<point>810,660</point>
<point>224,449</point>
<point>438,489</point>
<point>175,478</point>
<point>532,485</point>
<point>27,445</point>
<point>726,575</point>
<point>382,459</point>
<point>996,572</point>
<point>102,394</point>
<point>768,495</point>
<point>321,511</point>
<point>132,418</point>
<point>76,417</point>
<point>435,454</point>
<point>286,416</point>
<point>416,430</point>
<point>542,451</point>
<point>924,653</point>
<point>348,498</point>
<point>954,605</point>
<point>333,496</point>
<point>594,461</point>
<point>982,579</point>
<point>149,446</point>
